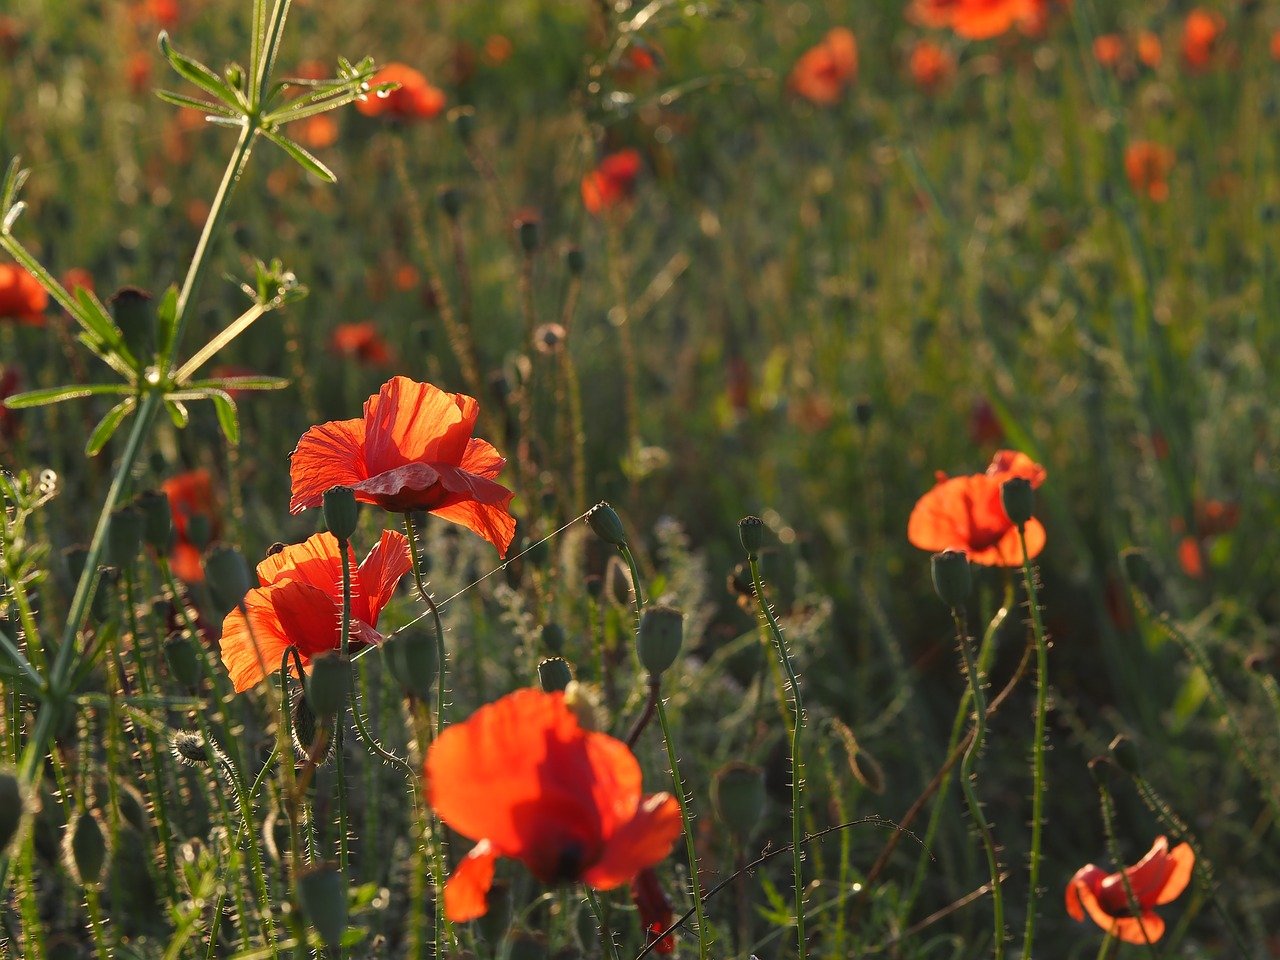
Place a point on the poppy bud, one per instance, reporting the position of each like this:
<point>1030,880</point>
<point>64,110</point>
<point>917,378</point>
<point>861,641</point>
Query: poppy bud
<point>737,794</point>
<point>411,657</point>
<point>606,523</point>
<point>235,75</point>
<point>528,229</point>
<point>157,515</point>
<point>450,200</point>
<point>952,578</point>
<point>86,848</point>
<point>497,916</point>
<point>1125,753</point>
<point>618,581</point>
<point>191,749</point>
<point>862,411</point>
<point>659,638</point>
<point>328,684</point>
<point>75,558</point>
<point>554,674</point>
<point>1100,768</point>
<point>124,536</point>
<point>339,505</point>
<point>11,807</point>
<point>132,311</point>
<point>553,638</point>
<point>1018,499</point>
<point>1268,213</point>
<point>199,530</point>
<point>227,574</point>
<point>183,658</point>
<point>751,533</point>
<point>595,585</point>
<point>104,593</point>
<point>322,892</point>
<point>464,122</point>
<point>575,260</point>
<point>306,728</point>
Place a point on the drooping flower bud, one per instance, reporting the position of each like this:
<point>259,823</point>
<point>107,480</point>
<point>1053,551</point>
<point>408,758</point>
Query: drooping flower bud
<point>737,794</point>
<point>553,638</point>
<point>322,892</point>
<point>191,749</point>
<point>86,847</point>
<point>339,505</point>
<point>450,200</point>
<point>952,578</point>
<point>751,533</point>
<point>311,739</point>
<point>1126,755</point>
<point>575,260</point>
<point>554,674</point>
<point>659,638</point>
<point>606,523</point>
<point>464,123</point>
<point>1018,499</point>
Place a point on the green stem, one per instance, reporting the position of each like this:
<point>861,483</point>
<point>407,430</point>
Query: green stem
<point>340,724</point>
<point>605,933</point>
<point>1042,708</point>
<point>1108,825</point>
<point>435,615</point>
<point>797,853</point>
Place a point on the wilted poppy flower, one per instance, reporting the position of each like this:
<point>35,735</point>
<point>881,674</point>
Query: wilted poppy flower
<point>823,71</point>
<point>655,909</point>
<point>414,99</point>
<point>21,296</point>
<point>191,500</point>
<point>1147,166</point>
<point>931,66</point>
<point>1150,50</point>
<point>965,513</point>
<point>1199,37</point>
<point>1156,879</point>
<point>361,341</point>
<point>300,604</point>
<point>1108,48</point>
<point>413,450</point>
<point>983,19</point>
<point>612,182</point>
<point>525,780</point>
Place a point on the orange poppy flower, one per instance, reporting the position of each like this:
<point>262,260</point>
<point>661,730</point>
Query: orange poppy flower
<point>361,341</point>
<point>983,19</point>
<point>414,99</point>
<point>21,296</point>
<point>525,780</point>
<point>413,450</point>
<point>1200,33</point>
<point>1157,878</point>
<point>612,182</point>
<point>1147,166</point>
<point>300,604</point>
<point>190,497</point>
<point>931,66</point>
<point>1275,46</point>
<point>965,513</point>
<point>1108,48</point>
<point>823,71</point>
<point>1150,50</point>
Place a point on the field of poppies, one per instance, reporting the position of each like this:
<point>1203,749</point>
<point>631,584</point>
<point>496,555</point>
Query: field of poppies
<point>612,479</point>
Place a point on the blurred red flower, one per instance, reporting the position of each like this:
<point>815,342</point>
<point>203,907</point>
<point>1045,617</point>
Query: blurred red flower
<point>965,513</point>
<point>655,909</point>
<point>77,277</point>
<point>412,450</point>
<point>1157,878</point>
<point>1200,33</point>
<point>299,603</point>
<point>982,19</point>
<point>191,499</point>
<point>932,13</point>
<point>612,182</point>
<point>361,341</point>
<point>984,425</point>
<point>21,296</point>
<point>1147,166</point>
<point>10,383</point>
<point>931,66</point>
<point>525,780</point>
<point>1108,48</point>
<point>1150,50</point>
<point>414,99</point>
<point>824,70</point>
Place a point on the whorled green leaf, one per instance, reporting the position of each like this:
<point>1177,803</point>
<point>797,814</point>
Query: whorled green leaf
<point>39,398</point>
<point>204,78</point>
<point>178,413</point>
<point>195,103</point>
<point>246,382</point>
<point>304,159</point>
<point>93,316</point>
<point>166,323</point>
<point>225,407</point>
<point>108,426</point>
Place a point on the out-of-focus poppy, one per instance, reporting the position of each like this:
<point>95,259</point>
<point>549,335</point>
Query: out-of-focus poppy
<point>983,19</point>
<point>21,296</point>
<point>1108,48</point>
<point>984,425</point>
<point>137,71</point>
<point>823,71</point>
<point>1275,46</point>
<point>931,66</point>
<point>932,13</point>
<point>163,12</point>
<point>1215,517</point>
<point>640,58</point>
<point>526,781</point>
<point>361,341</point>
<point>77,277</point>
<point>1158,878</point>
<point>414,99</point>
<point>656,913</point>
<point>10,383</point>
<point>412,450</point>
<point>965,513</point>
<point>1150,50</point>
<point>1147,166</point>
<point>1200,32</point>
<point>1191,558</point>
<point>316,132</point>
<point>612,182</point>
<point>1035,21</point>
<point>497,49</point>
<point>195,521</point>
<point>299,603</point>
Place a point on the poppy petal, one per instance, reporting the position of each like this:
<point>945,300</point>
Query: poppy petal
<point>1089,876</point>
<point>481,459</point>
<point>466,895</point>
<point>409,421</point>
<point>328,455</point>
<point>314,561</point>
<point>1184,861</point>
<point>251,648</point>
<point>640,843</point>
<point>382,569</point>
<point>400,489</point>
<point>492,522</point>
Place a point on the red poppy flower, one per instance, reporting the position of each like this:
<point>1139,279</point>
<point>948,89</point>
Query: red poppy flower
<point>190,496</point>
<point>1150,50</point>
<point>823,71</point>
<point>1200,33</point>
<point>931,66</point>
<point>982,19</point>
<point>78,277</point>
<point>932,13</point>
<point>655,909</point>
<point>1156,879</point>
<point>612,182</point>
<point>1147,166</point>
<point>362,341</point>
<point>524,779</point>
<point>414,99</point>
<point>965,513</point>
<point>21,296</point>
<point>300,604</point>
<point>1108,48</point>
<point>413,450</point>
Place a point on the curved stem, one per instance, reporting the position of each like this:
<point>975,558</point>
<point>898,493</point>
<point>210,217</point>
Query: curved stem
<point>1108,825</point>
<point>1042,706</point>
<point>605,933</point>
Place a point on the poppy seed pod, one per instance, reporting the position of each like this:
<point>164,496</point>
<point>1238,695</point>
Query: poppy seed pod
<point>606,524</point>
<point>86,848</point>
<point>553,638</point>
<point>575,260</point>
<point>659,638</point>
<point>450,200</point>
<point>328,684</point>
<point>183,658</point>
<point>306,728</point>
<point>1125,753</point>
<point>497,918</point>
<point>11,807</point>
<point>1018,499</point>
<point>124,536</point>
<point>862,411</point>
<point>322,892</point>
<point>104,593</point>
<point>952,578</point>
<point>157,515</point>
<point>530,233</point>
<point>227,574</point>
<point>133,313</point>
<point>737,794</point>
<point>751,533</point>
<point>554,674</point>
<point>339,505</point>
<point>412,658</point>
<point>464,122</point>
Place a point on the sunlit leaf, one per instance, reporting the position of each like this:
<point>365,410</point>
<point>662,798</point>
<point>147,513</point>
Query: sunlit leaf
<point>166,322</point>
<point>39,398</point>
<point>93,316</point>
<point>225,407</point>
<point>108,426</point>
<point>178,413</point>
<point>246,382</point>
<point>200,75</point>
<point>305,159</point>
<point>194,103</point>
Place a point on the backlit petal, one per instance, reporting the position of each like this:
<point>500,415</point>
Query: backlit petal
<point>639,843</point>
<point>381,571</point>
<point>329,455</point>
<point>466,894</point>
<point>409,421</point>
